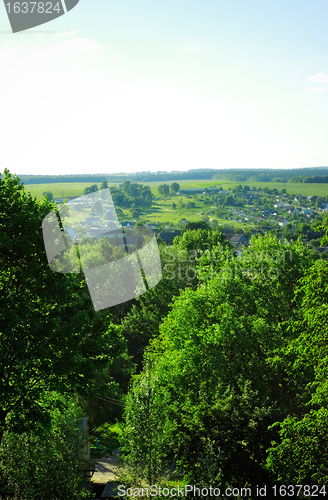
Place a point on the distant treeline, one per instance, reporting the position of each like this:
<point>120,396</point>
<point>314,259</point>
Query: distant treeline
<point>314,174</point>
<point>121,177</point>
<point>275,175</point>
<point>51,179</point>
<point>313,178</point>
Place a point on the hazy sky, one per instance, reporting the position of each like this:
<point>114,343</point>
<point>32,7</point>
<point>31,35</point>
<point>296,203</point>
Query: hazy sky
<point>122,85</point>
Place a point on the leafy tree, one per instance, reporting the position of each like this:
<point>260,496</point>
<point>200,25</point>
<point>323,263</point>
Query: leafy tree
<point>48,195</point>
<point>91,189</point>
<point>112,383</point>
<point>126,186</point>
<point>51,338</point>
<point>104,185</point>
<point>229,200</point>
<point>148,201</point>
<point>164,189</point>
<point>119,213</point>
<point>118,199</point>
<point>324,227</point>
<point>174,206</point>
<point>196,225</point>
<point>134,189</point>
<point>144,440</point>
<point>50,462</point>
<point>199,240</point>
<point>78,207</point>
<point>211,364</point>
<point>146,191</point>
<point>174,187</point>
<point>97,207</point>
<point>300,453</point>
<point>142,322</point>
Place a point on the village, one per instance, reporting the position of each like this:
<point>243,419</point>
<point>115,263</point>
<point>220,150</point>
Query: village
<point>239,212</point>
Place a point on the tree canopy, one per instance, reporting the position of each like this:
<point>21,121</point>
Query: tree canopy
<point>211,372</point>
<point>50,336</point>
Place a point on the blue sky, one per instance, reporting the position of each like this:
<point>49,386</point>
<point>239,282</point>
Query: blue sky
<point>122,86</point>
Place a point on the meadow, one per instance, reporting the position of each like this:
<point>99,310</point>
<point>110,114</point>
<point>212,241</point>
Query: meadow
<point>75,189</point>
<point>60,190</point>
<point>292,188</point>
<point>162,213</point>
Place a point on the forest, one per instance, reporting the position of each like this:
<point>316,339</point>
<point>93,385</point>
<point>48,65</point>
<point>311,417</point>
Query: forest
<point>309,174</point>
<point>217,375</point>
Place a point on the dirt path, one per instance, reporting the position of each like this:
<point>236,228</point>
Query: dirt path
<point>106,467</point>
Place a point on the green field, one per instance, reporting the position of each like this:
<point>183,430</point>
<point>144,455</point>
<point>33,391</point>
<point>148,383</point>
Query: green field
<point>303,189</point>
<point>70,190</point>
<point>161,212</point>
<point>60,190</point>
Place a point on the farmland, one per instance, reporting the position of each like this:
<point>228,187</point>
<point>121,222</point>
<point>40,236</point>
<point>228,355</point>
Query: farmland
<point>75,189</point>
<point>58,190</point>
<point>161,211</point>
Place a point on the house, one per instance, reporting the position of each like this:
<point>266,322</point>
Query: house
<point>238,240</point>
<point>96,231</point>
<point>321,249</point>
<point>92,220</point>
<point>189,191</point>
<point>114,236</point>
<point>111,224</point>
<point>168,237</point>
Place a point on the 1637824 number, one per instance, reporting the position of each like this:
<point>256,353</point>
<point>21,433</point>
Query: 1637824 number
<point>300,490</point>
<point>33,7</point>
